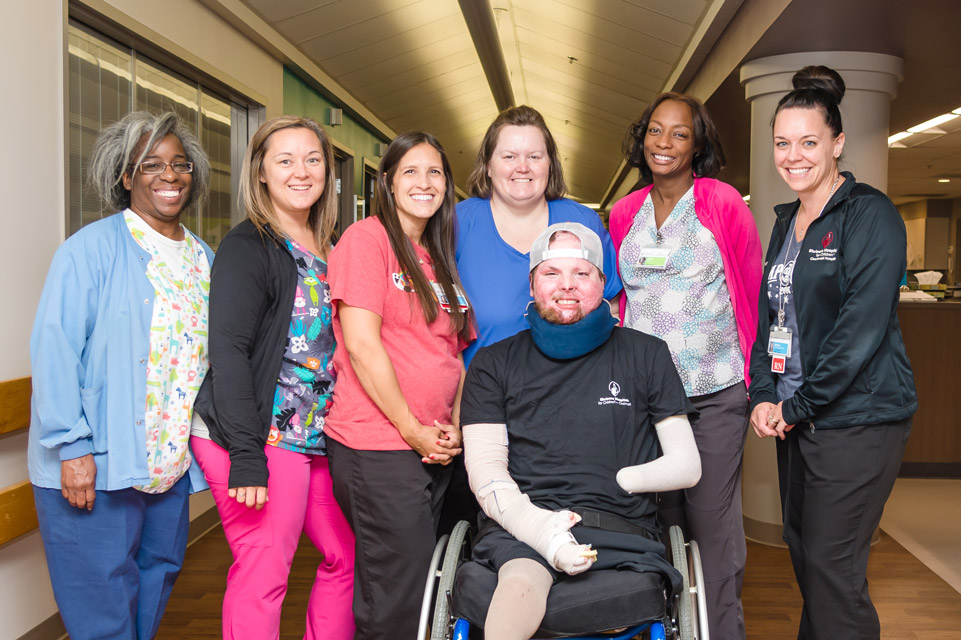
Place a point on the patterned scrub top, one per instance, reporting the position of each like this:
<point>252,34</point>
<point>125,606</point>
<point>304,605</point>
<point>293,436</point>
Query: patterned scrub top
<point>687,303</point>
<point>180,275</point>
<point>306,379</point>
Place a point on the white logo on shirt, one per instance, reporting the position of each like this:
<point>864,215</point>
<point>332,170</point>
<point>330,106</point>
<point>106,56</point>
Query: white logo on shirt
<point>402,282</point>
<point>615,390</point>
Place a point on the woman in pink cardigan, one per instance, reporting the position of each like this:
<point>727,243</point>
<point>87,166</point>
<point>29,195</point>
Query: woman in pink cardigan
<point>689,257</point>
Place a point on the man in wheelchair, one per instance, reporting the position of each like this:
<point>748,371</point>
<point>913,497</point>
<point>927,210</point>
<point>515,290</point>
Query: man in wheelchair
<point>568,429</point>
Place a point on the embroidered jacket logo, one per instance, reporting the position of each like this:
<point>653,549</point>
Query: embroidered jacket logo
<point>615,390</point>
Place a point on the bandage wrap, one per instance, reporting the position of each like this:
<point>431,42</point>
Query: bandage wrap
<point>545,531</point>
<point>678,468</point>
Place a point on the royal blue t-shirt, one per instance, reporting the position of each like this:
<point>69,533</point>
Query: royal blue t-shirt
<point>495,274</point>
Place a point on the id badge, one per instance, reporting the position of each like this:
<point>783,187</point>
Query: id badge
<point>653,258</point>
<point>442,297</point>
<point>779,342</point>
<point>777,364</point>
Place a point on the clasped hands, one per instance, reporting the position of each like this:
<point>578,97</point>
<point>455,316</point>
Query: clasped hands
<point>437,444</point>
<point>768,420</point>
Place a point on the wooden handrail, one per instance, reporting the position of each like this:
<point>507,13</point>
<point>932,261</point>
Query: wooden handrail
<point>18,513</point>
<point>14,404</point>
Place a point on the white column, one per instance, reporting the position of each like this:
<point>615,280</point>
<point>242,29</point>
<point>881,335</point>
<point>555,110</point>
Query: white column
<point>872,80</point>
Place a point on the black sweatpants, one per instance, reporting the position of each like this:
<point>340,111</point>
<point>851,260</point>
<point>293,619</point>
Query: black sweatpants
<point>834,483</point>
<point>392,501</point>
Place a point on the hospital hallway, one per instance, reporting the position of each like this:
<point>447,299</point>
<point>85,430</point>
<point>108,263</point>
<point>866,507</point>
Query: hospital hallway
<point>912,601</point>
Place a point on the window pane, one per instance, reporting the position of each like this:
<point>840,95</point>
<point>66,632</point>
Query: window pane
<point>99,86</point>
<point>106,82</point>
<point>215,125</point>
<point>159,90</point>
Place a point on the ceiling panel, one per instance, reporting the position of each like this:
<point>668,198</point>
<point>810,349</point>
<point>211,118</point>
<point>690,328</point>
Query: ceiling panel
<point>588,36</point>
<point>274,12</point>
<point>414,65</point>
<point>346,60</point>
<point>616,61</point>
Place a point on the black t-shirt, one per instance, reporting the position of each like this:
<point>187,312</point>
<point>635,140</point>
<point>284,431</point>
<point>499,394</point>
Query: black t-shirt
<point>572,424</point>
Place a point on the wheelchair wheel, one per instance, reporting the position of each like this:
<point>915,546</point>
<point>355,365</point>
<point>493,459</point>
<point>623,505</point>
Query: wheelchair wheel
<point>429,588</point>
<point>685,608</point>
<point>440,626</point>
<point>697,573</point>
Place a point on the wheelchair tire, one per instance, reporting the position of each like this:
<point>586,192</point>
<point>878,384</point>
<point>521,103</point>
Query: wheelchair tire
<point>685,607</point>
<point>440,625</point>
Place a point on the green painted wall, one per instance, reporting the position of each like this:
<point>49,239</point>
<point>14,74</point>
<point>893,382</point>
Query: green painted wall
<point>302,100</point>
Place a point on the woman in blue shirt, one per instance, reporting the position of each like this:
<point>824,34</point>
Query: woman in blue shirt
<point>517,188</point>
<point>118,352</point>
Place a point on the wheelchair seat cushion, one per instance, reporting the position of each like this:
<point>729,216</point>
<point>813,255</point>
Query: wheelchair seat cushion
<point>593,601</point>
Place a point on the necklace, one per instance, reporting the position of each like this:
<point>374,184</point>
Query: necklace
<point>802,230</point>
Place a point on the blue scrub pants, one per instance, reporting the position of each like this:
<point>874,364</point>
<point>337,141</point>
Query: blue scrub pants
<point>113,568</point>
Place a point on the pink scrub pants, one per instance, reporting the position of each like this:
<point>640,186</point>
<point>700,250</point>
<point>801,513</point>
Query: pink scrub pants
<point>300,499</point>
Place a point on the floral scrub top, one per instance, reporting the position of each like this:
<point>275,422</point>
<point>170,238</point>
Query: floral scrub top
<point>180,275</point>
<point>686,303</point>
<point>306,379</point>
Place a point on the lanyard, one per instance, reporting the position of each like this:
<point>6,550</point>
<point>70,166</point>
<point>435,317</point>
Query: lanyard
<point>789,264</point>
<point>782,298</point>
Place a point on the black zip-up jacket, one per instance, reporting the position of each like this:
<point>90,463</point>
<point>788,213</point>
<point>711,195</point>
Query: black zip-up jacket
<point>856,370</point>
<point>252,288</point>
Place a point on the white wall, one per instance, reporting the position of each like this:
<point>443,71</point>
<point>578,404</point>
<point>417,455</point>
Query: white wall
<point>32,217</point>
<point>33,212</point>
<point>189,30</point>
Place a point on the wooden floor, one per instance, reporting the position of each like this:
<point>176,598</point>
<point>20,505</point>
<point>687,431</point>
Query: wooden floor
<point>913,603</point>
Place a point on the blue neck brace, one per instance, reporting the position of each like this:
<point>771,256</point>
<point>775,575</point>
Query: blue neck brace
<point>568,341</point>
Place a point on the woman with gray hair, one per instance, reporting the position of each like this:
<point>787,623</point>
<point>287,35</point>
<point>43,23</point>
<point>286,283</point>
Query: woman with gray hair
<point>119,349</point>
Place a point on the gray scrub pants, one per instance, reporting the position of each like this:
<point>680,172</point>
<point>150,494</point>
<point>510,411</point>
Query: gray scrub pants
<point>710,511</point>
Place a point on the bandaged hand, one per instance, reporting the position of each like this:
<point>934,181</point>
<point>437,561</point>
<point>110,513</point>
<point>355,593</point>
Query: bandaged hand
<point>571,558</point>
<point>565,553</point>
<point>545,531</point>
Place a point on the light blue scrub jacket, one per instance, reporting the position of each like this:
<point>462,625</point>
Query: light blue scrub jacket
<point>89,350</point>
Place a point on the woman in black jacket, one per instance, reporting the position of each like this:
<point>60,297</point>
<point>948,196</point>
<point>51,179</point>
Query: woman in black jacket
<point>258,430</point>
<point>829,360</point>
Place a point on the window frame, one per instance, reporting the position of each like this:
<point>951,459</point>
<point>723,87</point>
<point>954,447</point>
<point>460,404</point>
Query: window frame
<point>141,48</point>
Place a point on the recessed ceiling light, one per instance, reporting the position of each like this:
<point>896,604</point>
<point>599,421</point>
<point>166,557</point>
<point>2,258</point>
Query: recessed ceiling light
<point>944,180</point>
<point>933,122</point>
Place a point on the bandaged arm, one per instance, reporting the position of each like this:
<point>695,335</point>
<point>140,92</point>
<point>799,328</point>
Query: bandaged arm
<point>547,532</point>
<point>678,468</point>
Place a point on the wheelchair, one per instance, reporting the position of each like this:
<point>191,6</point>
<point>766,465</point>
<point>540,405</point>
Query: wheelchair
<point>633,605</point>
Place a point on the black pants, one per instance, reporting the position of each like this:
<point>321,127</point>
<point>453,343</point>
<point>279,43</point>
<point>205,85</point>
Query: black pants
<point>392,501</point>
<point>834,483</point>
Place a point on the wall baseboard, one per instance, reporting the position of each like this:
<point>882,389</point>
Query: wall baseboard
<point>202,524</point>
<point>764,532</point>
<point>930,470</point>
<point>50,629</point>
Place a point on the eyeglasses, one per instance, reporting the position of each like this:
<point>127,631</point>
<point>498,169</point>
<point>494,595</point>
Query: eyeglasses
<point>153,168</point>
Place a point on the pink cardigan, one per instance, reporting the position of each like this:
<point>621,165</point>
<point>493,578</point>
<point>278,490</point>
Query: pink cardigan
<point>720,208</point>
